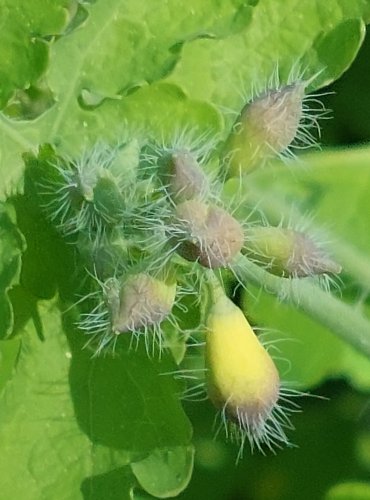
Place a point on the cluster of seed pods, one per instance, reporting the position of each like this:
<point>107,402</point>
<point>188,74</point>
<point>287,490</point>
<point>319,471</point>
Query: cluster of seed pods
<point>145,233</point>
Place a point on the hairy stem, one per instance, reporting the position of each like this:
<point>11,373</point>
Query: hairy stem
<point>343,319</point>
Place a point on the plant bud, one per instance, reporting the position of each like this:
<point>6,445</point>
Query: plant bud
<point>186,178</point>
<point>208,234</point>
<point>143,301</point>
<point>242,380</point>
<point>108,200</point>
<point>287,252</point>
<point>265,128</point>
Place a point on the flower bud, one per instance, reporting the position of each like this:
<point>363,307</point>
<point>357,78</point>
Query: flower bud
<point>143,301</point>
<point>265,128</point>
<point>108,201</point>
<point>185,177</point>
<point>242,380</point>
<point>287,252</point>
<point>207,233</point>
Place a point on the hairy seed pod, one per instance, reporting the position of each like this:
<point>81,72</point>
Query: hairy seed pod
<point>207,234</point>
<point>186,179</point>
<point>143,301</point>
<point>265,128</point>
<point>287,252</point>
<point>242,380</point>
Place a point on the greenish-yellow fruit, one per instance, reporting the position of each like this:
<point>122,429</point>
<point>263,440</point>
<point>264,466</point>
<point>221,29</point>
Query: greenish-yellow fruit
<point>287,252</point>
<point>242,379</point>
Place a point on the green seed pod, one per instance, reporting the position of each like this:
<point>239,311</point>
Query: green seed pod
<point>143,301</point>
<point>185,177</point>
<point>108,201</point>
<point>287,252</point>
<point>265,128</point>
<point>207,233</point>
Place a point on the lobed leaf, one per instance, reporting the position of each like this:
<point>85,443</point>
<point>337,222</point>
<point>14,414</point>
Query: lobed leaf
<point>66,418</point>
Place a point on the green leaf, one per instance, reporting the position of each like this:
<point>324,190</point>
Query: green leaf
<point>9,350</point>
<point>349,491</point>
<point>26,26</point>
<point>113,485</point>
<point>11,248</point>
<point>67,418</point>
<point>165,473</point>
<point>363,445</point>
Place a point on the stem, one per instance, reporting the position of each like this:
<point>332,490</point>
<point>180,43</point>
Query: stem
<point>215,288</point>
<point>342,319</point>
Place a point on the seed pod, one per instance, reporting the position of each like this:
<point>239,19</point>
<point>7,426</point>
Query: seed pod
<point>185,177</point>
<point>287,252</point>
<point>143,301</point>
<point>242,380</point>
<point>207,233</point>
<point>265,128</point>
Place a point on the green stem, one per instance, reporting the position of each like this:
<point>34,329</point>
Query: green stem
<point>344,320</point>
<point>215,288</point>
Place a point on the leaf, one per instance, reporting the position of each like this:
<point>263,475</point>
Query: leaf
<point>165,473</point>
<point>124,401</point>
<point>11,248</point>
<point>27,26</point>
<point>9,351</point>
<point>113,485</point>
<point>118,403</point>
<point>349,491</point>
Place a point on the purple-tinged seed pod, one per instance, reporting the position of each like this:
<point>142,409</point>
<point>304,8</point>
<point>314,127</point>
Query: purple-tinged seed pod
<point>266,127</point>
<point>207,234</point>
<point>186,179</point>
<point>287,252</point>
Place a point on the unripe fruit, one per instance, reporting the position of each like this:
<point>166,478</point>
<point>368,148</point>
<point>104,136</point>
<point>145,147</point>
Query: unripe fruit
<point>185,177</point>
<point>287,252</point>
<point>143,301</point>
<point>265,128</point>
<point>207,233</point>
<point>242,380</point>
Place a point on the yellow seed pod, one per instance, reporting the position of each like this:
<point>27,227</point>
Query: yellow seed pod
<point>242,380</point>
